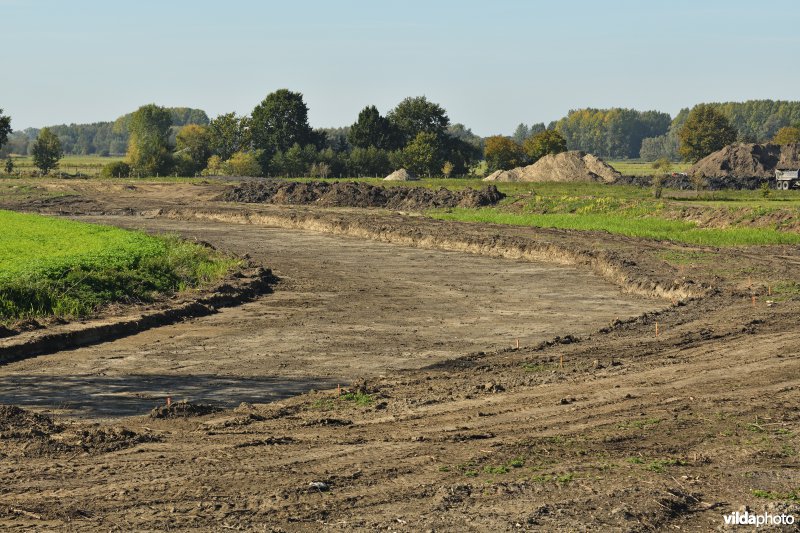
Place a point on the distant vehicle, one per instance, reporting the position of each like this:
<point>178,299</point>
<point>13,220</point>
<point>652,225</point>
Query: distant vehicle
<point>787,179</point>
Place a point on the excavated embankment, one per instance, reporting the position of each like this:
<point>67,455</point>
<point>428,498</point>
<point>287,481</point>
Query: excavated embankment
<point>451,236</point>
<point>358,194</point>
<point>241,286</point>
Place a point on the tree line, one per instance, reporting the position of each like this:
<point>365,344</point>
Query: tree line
<point>98,138</point>
<point>275,139</point>
<point>753,121</point>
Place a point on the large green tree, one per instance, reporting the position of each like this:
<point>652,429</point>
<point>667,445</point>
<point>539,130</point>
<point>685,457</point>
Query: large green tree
<point>369,161</point>
<point>47,151</point>
<point>706,130</point>
<point>5,128</point>
<point>416,115</point>
<point>787,135</point>
<point>502,153</point>
<point>423,155</point>
<point>371,129</point>
<point>279,122</point>
<point>544,143</point>
<point>148,145</point>
<point>193,148</point>
<point>228,134</point>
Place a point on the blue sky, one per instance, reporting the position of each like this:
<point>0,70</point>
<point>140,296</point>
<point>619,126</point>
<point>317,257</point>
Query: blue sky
<point>492,65</point>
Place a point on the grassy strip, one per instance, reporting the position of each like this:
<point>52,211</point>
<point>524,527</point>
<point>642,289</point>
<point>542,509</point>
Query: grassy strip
<point>64,268</point>
<point>71,164</point>
<point>647,227</point>
<point>644,168</point>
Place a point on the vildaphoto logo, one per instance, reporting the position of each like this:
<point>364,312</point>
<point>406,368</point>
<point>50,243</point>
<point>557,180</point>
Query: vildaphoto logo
<point>751,519</point>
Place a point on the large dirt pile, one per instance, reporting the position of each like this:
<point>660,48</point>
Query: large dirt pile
<point>747,161</point>
<point>740,160</point>
<point>358,194</point>
<point>401,175</point>
<point>569,166</point>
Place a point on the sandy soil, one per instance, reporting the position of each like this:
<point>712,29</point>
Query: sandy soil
<point>344,309</point>
<point>614,429</point>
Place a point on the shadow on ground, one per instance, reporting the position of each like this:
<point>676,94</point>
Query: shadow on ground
<point>110,396</point>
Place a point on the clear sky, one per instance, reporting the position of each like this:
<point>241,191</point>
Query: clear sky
<point>491,64</point>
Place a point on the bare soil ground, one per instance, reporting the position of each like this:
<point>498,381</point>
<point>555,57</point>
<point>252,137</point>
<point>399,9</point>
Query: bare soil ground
<point>345,308</point>
<point>606,427</point>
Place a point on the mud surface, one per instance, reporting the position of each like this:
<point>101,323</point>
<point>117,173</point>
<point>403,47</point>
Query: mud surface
<point>616,430</point>
<point>358,194</point>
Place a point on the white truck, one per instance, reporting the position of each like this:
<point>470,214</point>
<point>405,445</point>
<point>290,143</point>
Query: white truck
<point>787,179</point>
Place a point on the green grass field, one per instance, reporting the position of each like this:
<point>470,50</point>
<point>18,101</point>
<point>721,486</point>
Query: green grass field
<point>627,210</point>
<point>627,224</point>
<point>86,165</point>
<point>632,167</point>
<point>59,267</point>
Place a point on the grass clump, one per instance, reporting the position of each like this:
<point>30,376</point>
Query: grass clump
<point>791,496</point>
<point>57,267</point>
<point>502,469</point>
<point>358,398</point>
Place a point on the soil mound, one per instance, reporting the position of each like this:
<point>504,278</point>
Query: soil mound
<point>747,161</point>
<point>401,175</point>
<point>183,410</point>
<point>110,439</point>
<point>740,160</point>
<point>17,423</point>
<point>358,194</point>
<point>572,166</point>
<point>683,181</point>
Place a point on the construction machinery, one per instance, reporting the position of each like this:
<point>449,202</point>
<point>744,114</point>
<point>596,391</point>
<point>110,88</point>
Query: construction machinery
<point>787,179</point>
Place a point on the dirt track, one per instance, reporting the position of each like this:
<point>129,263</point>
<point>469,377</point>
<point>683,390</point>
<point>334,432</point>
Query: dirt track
<point>630,433</point>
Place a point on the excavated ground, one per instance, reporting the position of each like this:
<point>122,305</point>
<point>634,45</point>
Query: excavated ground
<point>358,194</point>
<point>606,428</point>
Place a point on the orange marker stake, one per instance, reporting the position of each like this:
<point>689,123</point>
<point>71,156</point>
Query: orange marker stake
<point>754,300</point>
<point>656,329</point>
<point>517,344</point>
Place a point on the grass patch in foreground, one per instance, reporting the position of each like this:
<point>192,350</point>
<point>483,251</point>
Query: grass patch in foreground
<point>51,266</point>
<point>647,227</point>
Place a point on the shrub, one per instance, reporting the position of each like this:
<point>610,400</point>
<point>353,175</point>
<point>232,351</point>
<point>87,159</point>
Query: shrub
<point>243,164</point>
<point>214,167</point>
<point>658,185</point>
<point>117,169</point>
